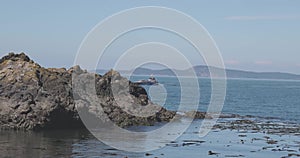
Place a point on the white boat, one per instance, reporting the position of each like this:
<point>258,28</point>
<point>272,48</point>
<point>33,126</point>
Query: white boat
<point>150,81</point>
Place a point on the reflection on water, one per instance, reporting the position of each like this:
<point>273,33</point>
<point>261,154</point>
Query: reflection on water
<point>55,143</point>
<point>39,144</point>
<point>79,144</point>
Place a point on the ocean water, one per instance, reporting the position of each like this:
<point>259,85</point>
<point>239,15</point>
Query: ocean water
<point>260,98</point>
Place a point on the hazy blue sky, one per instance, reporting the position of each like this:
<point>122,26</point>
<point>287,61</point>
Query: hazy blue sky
<point>251,35</point>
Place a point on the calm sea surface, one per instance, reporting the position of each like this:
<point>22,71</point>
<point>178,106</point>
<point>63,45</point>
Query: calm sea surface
<point>261,98</point>
<point>265,98</point>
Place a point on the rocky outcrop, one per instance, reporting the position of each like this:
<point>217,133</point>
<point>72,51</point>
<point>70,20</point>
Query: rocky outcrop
<point>33,97</point>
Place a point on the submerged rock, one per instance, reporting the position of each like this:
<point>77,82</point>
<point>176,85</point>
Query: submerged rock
<point>33,97</point>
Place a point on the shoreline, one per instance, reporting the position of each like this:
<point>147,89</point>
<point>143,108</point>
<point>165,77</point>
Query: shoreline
<point>222,141</point>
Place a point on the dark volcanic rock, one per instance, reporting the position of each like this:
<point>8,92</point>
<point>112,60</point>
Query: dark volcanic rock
<point>33,97</point>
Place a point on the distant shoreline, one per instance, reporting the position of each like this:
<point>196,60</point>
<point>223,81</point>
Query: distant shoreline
<point>210,72</point>
<point>228,78</point>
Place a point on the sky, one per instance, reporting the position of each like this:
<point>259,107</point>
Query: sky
<point>254,35</point>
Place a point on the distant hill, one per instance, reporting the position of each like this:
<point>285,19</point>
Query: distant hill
<point>202,71</point>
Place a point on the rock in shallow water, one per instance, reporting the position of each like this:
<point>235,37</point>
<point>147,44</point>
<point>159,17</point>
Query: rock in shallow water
<point>33,97</point>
